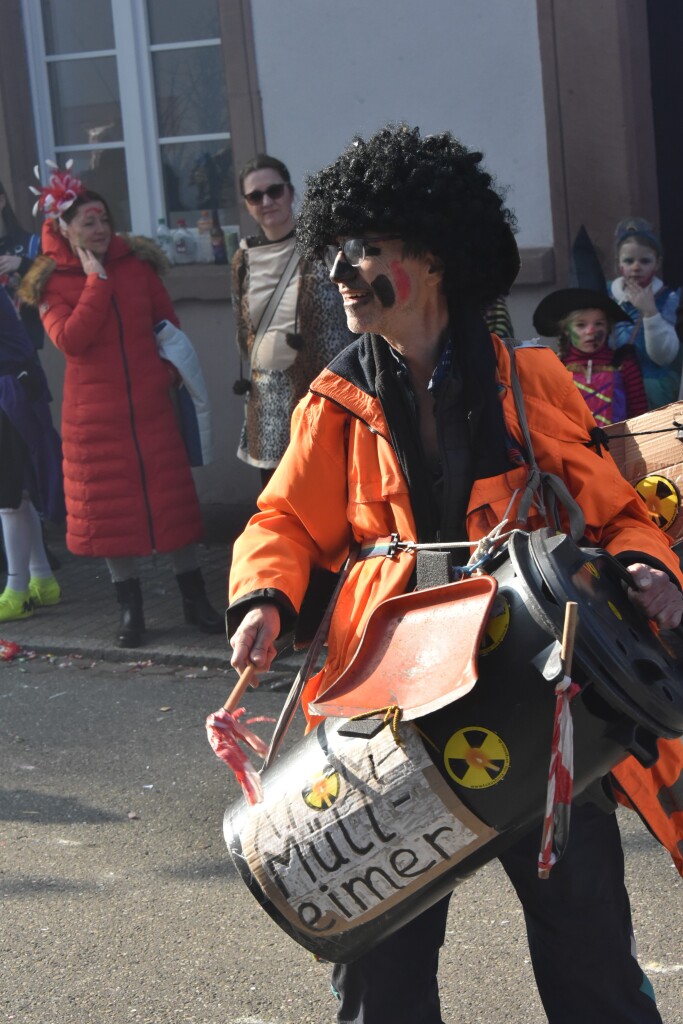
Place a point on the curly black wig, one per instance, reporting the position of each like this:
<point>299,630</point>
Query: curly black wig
<point>431,192</point>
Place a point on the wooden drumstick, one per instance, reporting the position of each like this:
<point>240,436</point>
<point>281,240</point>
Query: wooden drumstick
<point>247,677</point>
<point>571,618</point>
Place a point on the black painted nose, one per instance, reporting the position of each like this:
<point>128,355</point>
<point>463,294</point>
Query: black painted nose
<point>342,269</point>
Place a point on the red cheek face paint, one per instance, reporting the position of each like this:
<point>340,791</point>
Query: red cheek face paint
<point>401,280</point>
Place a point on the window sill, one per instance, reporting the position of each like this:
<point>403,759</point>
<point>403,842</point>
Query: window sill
<point>201,282</point>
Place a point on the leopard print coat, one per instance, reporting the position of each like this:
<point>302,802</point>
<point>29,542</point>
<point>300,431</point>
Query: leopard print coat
<point>321,333</point>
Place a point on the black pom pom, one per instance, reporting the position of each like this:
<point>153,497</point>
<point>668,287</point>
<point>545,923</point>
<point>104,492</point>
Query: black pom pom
<point>241,386</point>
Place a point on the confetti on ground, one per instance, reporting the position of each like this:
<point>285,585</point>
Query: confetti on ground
<point>9,650</point>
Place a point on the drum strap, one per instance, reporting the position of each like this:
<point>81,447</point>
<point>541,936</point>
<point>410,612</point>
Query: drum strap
<point>538,482</point>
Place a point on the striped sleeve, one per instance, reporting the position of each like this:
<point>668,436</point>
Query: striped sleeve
<point>636,399</point>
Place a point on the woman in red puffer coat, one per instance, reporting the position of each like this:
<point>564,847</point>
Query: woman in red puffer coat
<point>128,484</point>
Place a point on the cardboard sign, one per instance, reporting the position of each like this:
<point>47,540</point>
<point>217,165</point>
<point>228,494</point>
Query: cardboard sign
<point>648,450</point>
<point>363,825</point>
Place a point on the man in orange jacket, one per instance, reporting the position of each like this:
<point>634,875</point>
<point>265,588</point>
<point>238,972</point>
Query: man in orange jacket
<point>413,430</point>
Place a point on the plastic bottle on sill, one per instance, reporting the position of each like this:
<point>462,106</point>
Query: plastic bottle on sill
<point>220,252</point>
<point>183,244</point>
<point>204,222</point>
<point>204,250</point>
<point>164,239</point>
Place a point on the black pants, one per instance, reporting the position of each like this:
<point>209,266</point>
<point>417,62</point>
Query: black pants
<point>579,930</point>
<point>15,462</point>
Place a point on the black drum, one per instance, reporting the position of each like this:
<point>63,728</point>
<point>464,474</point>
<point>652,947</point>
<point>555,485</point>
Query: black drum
<point>362,827</point>
<point>631,684</point>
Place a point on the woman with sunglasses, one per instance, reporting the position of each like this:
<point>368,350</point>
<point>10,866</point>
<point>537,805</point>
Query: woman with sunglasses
<point>290,318</point>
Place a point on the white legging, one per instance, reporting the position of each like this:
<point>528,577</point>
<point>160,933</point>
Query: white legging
<point>23,537</point>
<point>182,560</point>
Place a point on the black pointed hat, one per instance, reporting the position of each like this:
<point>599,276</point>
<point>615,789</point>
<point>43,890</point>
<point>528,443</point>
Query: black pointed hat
<point>588,290</point>
<point>554,308</point>
<point>585,270</point>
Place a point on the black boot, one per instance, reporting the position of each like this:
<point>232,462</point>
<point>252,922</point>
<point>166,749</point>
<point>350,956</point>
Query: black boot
<point>132,621</point>
<point>196,607</point>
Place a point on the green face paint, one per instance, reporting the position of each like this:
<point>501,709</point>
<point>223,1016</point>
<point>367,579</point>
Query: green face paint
<point>588,330</point>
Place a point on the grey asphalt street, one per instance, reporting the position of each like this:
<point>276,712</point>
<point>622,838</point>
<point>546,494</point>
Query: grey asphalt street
<point>120,904</point>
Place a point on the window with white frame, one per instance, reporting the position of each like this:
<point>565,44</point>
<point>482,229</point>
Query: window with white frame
<point>134,92</point>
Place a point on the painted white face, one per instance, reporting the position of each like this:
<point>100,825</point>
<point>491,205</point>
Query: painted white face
<point>269,201</point>
<point>638,263</point>
<point>89,229</point>
<point>383,289</point>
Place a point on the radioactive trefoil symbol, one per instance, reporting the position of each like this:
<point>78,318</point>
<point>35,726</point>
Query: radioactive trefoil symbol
<point>661,498</point>
<point>476,758</point>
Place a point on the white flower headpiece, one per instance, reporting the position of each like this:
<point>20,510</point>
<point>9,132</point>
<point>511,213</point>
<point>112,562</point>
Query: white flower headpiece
<point>61,191</point>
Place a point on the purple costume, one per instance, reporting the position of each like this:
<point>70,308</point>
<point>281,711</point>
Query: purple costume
<point>30,447</point>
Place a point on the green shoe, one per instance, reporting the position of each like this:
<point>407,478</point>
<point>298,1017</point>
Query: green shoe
<point>15,604</point>
<point>44,591</point>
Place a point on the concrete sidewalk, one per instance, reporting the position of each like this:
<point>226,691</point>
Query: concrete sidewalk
<point>86,620</point>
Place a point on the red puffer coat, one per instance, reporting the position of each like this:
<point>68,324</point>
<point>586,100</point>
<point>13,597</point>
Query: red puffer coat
<point>128,484</point>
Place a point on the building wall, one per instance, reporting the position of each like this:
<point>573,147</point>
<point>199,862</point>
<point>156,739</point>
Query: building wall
<point>471,68</point>
<point>18,151</point>
<point>597,89</point>
<point>327,73</point>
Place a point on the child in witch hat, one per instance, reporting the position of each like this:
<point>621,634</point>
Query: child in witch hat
<point>582,320</point>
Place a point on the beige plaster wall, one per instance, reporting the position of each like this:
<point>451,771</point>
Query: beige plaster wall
<point>470,66</point>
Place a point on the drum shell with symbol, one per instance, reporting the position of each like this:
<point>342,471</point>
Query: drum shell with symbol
<point>493,744</point>
<point>361,830</point>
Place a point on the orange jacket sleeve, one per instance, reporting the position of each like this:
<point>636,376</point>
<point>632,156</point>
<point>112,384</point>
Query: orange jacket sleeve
<point>302,520</point>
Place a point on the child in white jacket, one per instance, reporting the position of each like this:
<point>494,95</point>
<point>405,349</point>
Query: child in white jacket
<point>652,309</point>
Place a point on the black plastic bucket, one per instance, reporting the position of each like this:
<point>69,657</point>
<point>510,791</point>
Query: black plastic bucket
<point>361,830</point>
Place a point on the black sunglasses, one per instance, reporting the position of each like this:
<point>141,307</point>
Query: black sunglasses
<point>256,197</point>
<point>355,250</point>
